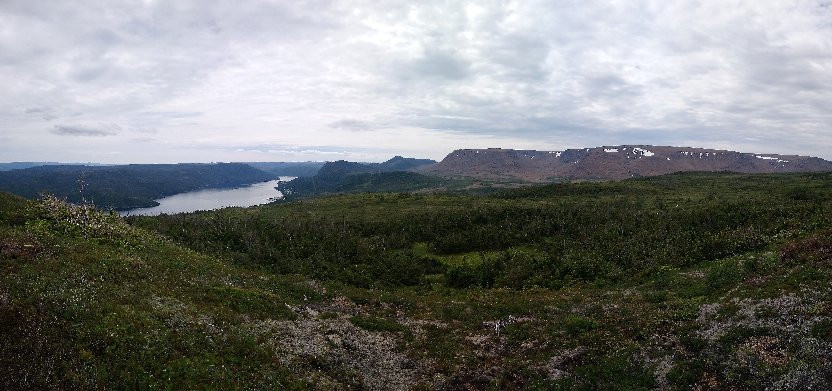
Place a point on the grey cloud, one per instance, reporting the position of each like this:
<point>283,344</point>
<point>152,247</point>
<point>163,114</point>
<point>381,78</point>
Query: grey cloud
<point>435,64</point>
<point>102,130</point>
<point>170,114</point>
<point>309,152</point>
<point>520,57</point>
<point>280,72</point>
<point>352,124</point>
<point>152,121</point>
<point>272,148</point>
<point>44,113</point>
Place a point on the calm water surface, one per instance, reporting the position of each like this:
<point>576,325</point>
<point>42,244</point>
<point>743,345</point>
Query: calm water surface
<point>208,199</point>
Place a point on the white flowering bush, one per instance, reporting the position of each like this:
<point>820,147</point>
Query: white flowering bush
<point>83,220</point>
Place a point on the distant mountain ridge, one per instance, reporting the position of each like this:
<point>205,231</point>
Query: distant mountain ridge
<point>612,162</point>
<point>398,163</point>
<point>23,165</point>
<point>296,169</point>
<point>342,175</point>
<point>341,168</point>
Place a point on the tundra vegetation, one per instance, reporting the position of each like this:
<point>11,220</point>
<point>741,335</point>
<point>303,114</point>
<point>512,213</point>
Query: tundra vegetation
<point>705,281</point>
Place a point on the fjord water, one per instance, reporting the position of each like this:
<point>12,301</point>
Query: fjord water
<point>208,199</point>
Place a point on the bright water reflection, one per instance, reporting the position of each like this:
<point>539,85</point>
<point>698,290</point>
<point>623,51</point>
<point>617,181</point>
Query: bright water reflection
<point>256,194</point>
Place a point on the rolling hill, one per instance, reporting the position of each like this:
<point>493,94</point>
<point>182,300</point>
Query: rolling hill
<point>343,177</point>
<point>683,281</point>
<point>127,186</point>
<point>297,169</point>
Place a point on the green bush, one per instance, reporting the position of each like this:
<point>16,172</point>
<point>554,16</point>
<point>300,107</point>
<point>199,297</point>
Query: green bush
<point>577,324</point>
<point>723,273</point>
<point>615,372</point>
<point>822,330</point>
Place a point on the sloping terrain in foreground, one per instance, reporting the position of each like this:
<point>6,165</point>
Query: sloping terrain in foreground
<point>691,281</point>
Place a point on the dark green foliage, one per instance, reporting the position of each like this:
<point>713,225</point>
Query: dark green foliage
<point>371,323</point>
<point>576,324</point>
<point>12,206</point>
<point>545,236</point>
<point>614,372</point>
<point>249,301</point>
<point>480,271</point>
<point>126,187</point>
<point>822,330</point>
<point>402,268</point>
<point>399,181</point>
<point>514,268</point>
<point>807,193</point>
<point>723,274</point>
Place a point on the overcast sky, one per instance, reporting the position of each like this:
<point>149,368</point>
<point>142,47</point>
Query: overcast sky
<point>193,80</point>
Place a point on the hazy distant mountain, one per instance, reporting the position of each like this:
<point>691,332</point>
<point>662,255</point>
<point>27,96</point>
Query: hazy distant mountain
<point>23,165</point>
<point>341,168</point>
<point>333,171</point>
<point>398,163</point>
<point>298,169</point>
<point>612,162</point>
<point>342,176</point>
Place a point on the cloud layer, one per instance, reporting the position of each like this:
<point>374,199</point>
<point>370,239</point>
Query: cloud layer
<point>100,130</point>
<point>194,81</point>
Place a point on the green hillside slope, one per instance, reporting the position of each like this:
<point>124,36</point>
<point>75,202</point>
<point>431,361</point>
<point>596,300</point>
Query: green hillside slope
<point>709,281</point>
<point>89,302</point>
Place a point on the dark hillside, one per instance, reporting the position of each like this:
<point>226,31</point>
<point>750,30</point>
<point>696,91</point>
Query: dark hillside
<point>398,163</point>
<point>337,170</point>
<point>348,177</point>
<point>128,186</point>
<point>298,169</point>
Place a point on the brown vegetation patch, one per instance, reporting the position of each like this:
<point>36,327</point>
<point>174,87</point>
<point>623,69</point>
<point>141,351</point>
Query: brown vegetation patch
<point>817,248</point>
<point>767,349</point>
<point>26,247</point>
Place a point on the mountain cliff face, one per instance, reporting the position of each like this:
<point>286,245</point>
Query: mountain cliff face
<point>612,162</point>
